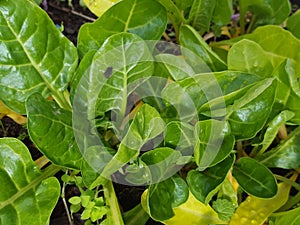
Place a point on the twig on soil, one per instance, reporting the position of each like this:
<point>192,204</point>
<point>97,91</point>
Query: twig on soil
<point>71,11</point>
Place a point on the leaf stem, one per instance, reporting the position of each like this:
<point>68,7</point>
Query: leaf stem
<point>63,189</point>
<point>114,214</point>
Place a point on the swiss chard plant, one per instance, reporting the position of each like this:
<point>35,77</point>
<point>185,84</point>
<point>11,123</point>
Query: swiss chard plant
<point>211,131</point>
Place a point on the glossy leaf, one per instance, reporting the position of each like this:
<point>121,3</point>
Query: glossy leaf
<point>214,142</point>
<point>205,184</point>
<point>98,7</point>
<point>248,56</point>
<point>34,55</point>
<point>201,14</point>
<point>291,217</point>
<point>130,62</point>
<point>255,178</point>
<point>194,212</point>
<point>28,191</point>
<point>286,155</point>
<point>161,163</point>
<point>288,89</point>
<point>200,56</point>
<point>48,122</point>
<point>273,129</point>
<point>252,110</point>
<point>256,210</point>
<point>146,18</point>
<point>292,24</point>
<point>179,135</point>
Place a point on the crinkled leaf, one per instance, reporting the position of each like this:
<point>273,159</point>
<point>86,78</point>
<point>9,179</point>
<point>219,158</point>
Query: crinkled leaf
<point>291,217</point>
<point>249,113</point>
<point>201,14</point>
<point>255,178</point>
<point>146,18</point>
<point>25,190</point>
<point>214,142</point>
<point>256,210</point>
<point>198,53</point>
<point>224,208</point>
<point>248,56</point>
<point>286,155</point>
<point>48,122</point>
<point>205,184</point>
<point>34,55</point>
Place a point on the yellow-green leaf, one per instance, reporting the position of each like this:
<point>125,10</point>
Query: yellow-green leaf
<point>98,7</point>
<point>255,210</point>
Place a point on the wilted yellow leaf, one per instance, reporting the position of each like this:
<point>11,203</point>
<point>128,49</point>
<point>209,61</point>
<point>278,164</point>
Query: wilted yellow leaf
<point>98,7</point>
<point>4,111</point>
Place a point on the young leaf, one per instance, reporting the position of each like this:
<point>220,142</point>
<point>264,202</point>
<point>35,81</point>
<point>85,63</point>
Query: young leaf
<point>214,142</point>
<point>252,110</point>
<point>145,126</point>
<point>255,178</point>
<point>205,184</point>
<point>256,210</point>
<point>224,208</point>
<point>200,56</point>
<point>146,18</point>
<point>201,14</point>
<point>286,155</point>
<point>25,190</point>
<point>248,56</point>
<point>48,122</point>
<point>35,56</point>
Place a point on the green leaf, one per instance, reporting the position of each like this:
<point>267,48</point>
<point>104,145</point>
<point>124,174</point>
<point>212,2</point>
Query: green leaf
<point>256,210</point>
<point>27,191</point>
<point>248,56</point>
<point>98,7</point>
<point>130,62</point>
<point>179,135</point>
<point>273,129</point>
<point>288,89</point>
<point>197,52</point>
<point>48,122</point>
<point>162,197</point>
<point>145,126</point>
<point>291,217</point>
<point>214,142</point>
<point>146,18</point>
<point>251,111</point>
<point>201,14</point>
<point>35,56</point>
<point>292,24</point>
<point>222,15</point>
<point>224,208</point>
<point>135,216</point>
<point>205,184</point>
<point>286,155</point>
<point>255,178</point>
